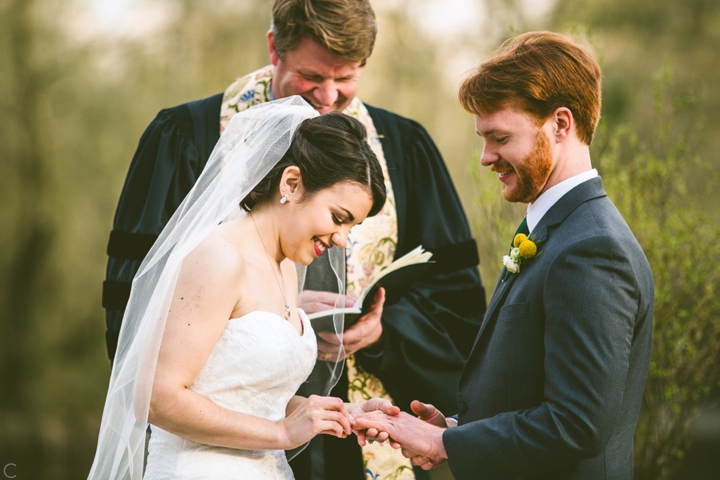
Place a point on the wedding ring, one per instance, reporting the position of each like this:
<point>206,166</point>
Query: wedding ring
<point>327,356</point>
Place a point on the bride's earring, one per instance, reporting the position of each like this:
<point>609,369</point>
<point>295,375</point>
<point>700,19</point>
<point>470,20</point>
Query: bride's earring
<point>284,198</point>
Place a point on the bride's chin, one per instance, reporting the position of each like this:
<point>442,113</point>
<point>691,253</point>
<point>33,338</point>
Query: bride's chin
<point>304,260</point>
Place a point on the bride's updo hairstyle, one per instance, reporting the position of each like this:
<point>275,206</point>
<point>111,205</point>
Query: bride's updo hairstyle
<point>328,149</point>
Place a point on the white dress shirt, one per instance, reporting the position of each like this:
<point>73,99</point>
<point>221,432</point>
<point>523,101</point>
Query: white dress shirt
<point>544,202</point>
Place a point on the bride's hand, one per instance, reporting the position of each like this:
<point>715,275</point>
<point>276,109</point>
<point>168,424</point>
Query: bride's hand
<point>312,416</point>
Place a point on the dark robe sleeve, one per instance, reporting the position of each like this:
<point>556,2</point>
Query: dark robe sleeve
<point>428,335</point>
<point>170,156</point>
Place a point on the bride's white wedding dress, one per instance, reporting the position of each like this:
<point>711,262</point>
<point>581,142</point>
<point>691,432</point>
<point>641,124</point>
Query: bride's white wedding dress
<point>255,368</point>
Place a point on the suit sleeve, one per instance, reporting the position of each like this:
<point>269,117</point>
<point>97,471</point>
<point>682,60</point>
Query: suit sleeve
<point>591,299</point>
<point>165,166</point>
<point>428,334</point>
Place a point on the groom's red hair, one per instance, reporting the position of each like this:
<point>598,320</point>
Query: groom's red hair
<point>538,72</point>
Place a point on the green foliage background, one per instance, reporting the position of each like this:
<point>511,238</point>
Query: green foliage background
<point>74,103</point>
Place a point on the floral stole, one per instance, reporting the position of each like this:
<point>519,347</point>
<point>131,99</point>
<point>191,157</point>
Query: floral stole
<point>371,247</point>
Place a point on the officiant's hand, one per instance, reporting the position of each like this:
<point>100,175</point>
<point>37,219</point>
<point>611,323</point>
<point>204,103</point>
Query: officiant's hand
<point>312,301</point>
<point>366,332</point>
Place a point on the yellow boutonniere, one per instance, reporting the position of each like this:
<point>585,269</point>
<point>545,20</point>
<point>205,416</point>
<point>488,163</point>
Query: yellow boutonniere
<point>523,249</point>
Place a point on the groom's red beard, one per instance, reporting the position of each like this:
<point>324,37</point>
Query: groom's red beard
<point>532,172</point>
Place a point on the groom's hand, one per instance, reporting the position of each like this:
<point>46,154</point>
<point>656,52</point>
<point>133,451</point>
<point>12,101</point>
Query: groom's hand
<point>433,416</point>
<point>429,414</point>
<point>380,405</point>
<point>376,404</point>
<point>421,441</point>
<point>421,461</point>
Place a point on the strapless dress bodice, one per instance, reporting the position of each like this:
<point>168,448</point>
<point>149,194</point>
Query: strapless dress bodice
<point>255,368</point>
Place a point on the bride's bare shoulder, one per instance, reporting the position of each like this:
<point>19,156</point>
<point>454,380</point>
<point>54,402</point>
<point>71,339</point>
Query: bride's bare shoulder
<point>219,254</point>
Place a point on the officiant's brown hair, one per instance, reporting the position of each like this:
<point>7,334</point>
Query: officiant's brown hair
<point>346,28</point>
<point>538,72</point>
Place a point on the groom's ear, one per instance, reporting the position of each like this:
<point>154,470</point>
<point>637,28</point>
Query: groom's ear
<point>563,124</point>
<point>290,183</point>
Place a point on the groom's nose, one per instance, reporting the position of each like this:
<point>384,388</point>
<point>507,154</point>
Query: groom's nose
<point>488,156</point>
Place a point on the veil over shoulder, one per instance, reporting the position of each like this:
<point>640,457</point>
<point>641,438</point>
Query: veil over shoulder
<point>253,142</point>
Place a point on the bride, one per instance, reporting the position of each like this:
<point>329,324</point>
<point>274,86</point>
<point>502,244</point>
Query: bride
<point>213,347</point>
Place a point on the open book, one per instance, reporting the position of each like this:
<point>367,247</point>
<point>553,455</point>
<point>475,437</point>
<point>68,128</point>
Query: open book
<point>395,279</point>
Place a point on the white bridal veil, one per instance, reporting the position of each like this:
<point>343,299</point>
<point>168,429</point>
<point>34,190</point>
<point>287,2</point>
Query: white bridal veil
<point>253,142</point>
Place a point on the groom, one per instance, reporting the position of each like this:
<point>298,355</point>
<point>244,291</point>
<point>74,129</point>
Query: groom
<point>554,383</point>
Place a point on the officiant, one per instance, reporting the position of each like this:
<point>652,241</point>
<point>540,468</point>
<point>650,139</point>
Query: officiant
<point>415,348</point>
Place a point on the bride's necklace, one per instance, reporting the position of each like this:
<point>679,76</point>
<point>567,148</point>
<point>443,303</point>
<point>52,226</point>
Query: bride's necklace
<point>280,285</point>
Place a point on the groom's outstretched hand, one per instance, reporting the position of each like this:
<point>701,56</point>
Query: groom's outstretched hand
<point>433,416</point>
<point>419,437</point>
<point>428,414</point>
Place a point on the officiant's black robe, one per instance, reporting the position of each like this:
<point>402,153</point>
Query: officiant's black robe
<point>427,336</point>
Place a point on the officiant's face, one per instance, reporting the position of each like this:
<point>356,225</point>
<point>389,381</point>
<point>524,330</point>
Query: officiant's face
<point>518,149</point>
<point>326,81</point>
<point>317,222</point>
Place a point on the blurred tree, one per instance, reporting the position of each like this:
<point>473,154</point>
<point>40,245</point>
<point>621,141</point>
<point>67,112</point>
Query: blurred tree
<point>651,181</point>
<point>72,108</point>
<point>639,38</point>
<point>29,233</point>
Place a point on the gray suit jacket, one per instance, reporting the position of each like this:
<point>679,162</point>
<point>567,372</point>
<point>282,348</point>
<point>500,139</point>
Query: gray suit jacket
<point>553,386</point>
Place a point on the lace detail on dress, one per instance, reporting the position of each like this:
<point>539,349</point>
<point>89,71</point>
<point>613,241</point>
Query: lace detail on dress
<point>255,368</point>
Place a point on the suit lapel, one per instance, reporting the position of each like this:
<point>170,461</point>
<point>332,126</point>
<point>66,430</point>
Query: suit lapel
<point>556,215</point>
<point>498,298</point>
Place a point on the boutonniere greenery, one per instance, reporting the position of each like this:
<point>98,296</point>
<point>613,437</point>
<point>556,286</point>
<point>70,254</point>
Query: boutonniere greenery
<point>523,250</point>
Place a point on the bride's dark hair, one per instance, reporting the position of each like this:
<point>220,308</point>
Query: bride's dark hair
<point>328,149</point>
